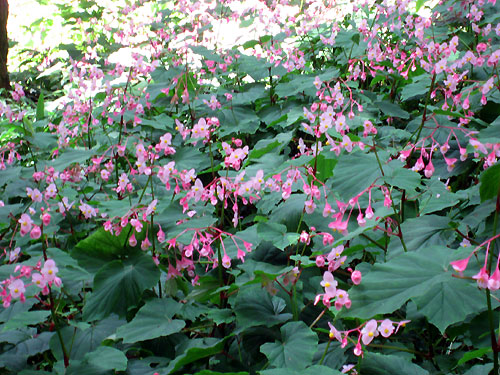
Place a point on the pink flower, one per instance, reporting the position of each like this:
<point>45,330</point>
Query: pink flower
<point>330,284</point>
<point>320,261</point>
<point>304,237</point>
<point>36,232</point>
<point>160,235</point>
<point>386,328</point>
<point>145,244</point>
<point>494,280</point>
<point>38,280</point>
<point>49,270</point>
<point>334,333</point>
<point>356,277</point>
<point>152,207</point>
<point>482,278</point>
<point>357,350</point>
<point>14,254</point>
<point>461,264</point>
<point>132,240</point>
<point>477,146</point>
<point>369,331</point>
<point>46,219</point>
<point>136,224</point>
<point>17,288</point>
<point>26,224</point>
<point>310,206</point>
<point>226,261</point>
<point>429,169</point>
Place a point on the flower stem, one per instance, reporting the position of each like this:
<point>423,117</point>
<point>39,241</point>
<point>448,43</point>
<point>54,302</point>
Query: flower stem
<point>324,353</point>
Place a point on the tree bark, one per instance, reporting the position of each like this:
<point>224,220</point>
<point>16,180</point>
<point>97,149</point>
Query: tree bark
<point>4,45</point>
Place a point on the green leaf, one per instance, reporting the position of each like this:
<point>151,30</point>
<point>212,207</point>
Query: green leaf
<point>355,172</point>
<point>26,318</point>
<point>397,175</point>
<point>379,364</point>
<point>107,358</point>
<point>392,110</point>
<point>480,369</point>
<point>153,320</point>
<point>490,182</point>
<point>423,276</point>
<point>40,108</point>
<point>72,156</point>
<point>15,358</point>
<point>296,348</point>
<point>220,316</point>
<point>440,304</point>
<point>193,350</point>
<point>491,134</point>
<point>419,4</point>
<point>254,306</point>
<point>101,247</point>
<point>421,232</point>
<point>119,285</point>
<point>418,88</point>
<point>267,145</point>
<point>479,353</point>
<point>312,370</point>
<point>436,197</point>
<point>84,340</point>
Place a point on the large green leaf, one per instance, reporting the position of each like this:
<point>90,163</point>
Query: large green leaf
<point>85,338</point>
<point>490,183</point>
<point>436,197</point>
<point>26,318</point>
<point>254,306</point>
<point>277,234</point>
<point>99,362</point>
<point>153,320</point>
<point>15,357</point>
<point>418,88</point>
<point>119,285</point>
<point>101,247</point>
<point>72,156</point>
<point>450,301</point>
<point>355,172</point>
<point>379,364</point>
<point>421,232</point>
<point>312,370</point>
<point>193,350</point>
<point>392,110</point>
<point>423,276</point>
<point>107,358</point>
<point>296,348</point>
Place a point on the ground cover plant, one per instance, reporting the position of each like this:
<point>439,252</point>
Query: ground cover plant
<point>287,187</point>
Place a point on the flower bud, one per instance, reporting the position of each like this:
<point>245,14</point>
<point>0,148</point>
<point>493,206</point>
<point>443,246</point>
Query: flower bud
<point>356,277</point>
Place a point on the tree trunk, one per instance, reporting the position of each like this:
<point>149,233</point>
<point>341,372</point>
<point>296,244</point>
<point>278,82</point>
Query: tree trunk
<point>4,45</point>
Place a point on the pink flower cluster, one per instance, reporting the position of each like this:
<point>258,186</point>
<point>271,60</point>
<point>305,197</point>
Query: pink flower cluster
<point>484,279</point>
<point>366,332</point>
<point>41,277</point>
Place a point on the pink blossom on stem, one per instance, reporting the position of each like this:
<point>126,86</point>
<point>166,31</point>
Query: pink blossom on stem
<point>369,332</point>
<point>461,264</point>
<point>17,288</point>
<point>482,278</point>
<point>386,328</point>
